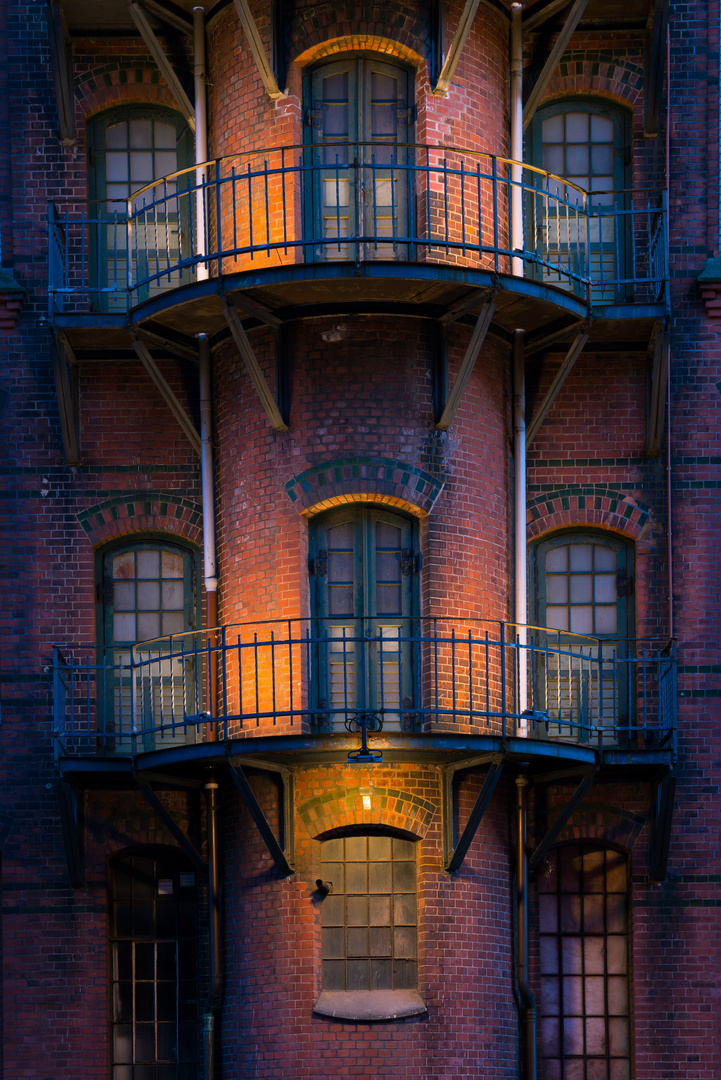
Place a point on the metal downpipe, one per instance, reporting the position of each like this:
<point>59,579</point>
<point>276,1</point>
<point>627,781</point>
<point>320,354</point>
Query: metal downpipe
<point>516,137</point>
<point>528,1002</point>
<point>215,975</point>
<point>519,522</point>
<point>209,555</point>
<point>201,137</point>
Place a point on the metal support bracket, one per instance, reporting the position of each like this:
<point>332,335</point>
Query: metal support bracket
<point>166,68</point>
<point>61,56</point>
<point>541,12</point>
<point>560,823</point>
<point>555,388</point>
<point>175,18</point>
<point>253,367</point>
<point>474,347</point>
<point>173,828</point>
<point>167,394</point>
<point>659,347</point>
<point>187,349</point>
<point>554,58</point>
<point>282,859</point>
<point>453,855</point>
<point>255,44</point>
<point>65,371</point>
<point>664,792</point>
<point>72,826</point>
<point>455,49</point>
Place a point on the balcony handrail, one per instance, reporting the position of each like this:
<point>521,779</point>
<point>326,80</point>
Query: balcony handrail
<point>420,676</point>
<point>264,204</point>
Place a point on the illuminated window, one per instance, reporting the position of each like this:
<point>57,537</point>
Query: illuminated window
<point>584,1015</point>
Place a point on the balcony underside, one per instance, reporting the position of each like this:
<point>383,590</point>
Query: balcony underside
<point>292,293</point>
<point>540,759</point>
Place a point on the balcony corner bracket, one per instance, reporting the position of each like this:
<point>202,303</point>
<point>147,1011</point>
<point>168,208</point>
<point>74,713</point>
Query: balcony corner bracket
<point>658,384</point>
<point>282,860</point>
<point>453,856</point>
<point>61,56</point>
<point>443,82</point>
<point>73,832</point>
<point>560,823</point>
<point>663,794</point>
<point>252,366</point>
<point>166,392</point>
<point>655,66</point>
<point>478,336</point>
<point>155,49</point>
<point>554,57</point>
<point>255,44</point>
<point>172,826</point>
<point>65,372</point>
<point>557,383</point>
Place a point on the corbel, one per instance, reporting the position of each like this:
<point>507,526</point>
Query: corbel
<point>283,859</point>
<point>455,853</point>
<point>173,828</point>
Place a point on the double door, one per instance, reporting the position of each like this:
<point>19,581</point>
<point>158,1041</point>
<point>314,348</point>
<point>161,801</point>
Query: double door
<point>359,161</point>
<point>364,562</point>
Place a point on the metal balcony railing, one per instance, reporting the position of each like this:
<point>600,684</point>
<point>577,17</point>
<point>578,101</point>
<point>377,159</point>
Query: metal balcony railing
<point>358,203</point>
<point>293,677</point>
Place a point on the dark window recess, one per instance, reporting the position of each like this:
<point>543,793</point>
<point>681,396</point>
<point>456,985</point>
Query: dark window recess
<point>369,920</point>
<point>153,944</point>
<point>584,1016</point>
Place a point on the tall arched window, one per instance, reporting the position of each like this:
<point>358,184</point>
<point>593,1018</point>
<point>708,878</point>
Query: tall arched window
<point>358,116</point>
<point>128,148</point>
<point>588,143</point>
<point>582,584</point>
<point>584,1011</point>
<point>154,966</point>
<point>146,590</point>
<point>364,571</point>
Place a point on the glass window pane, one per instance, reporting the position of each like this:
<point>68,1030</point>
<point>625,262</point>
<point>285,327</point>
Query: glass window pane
<point>582,620</point>
<point>379,911</point>
<point>340,567</point>
<point>334,975</point>
<point>606,620</point>
<point>357,941</point>
<point>166,162</point>
<point>116,167</point>
<point>601,128</point>
<point>356,877</point>
<point>581,556</point>
<point>124,627</point>
<point>124,596</point>
<point>165,136</point>
<point>141,167</point>
<point>404,941</point>
<point>356,849</point>
<point>604,588</point>
<point>388,566</point>
<point>172,565</point>
<point>603,558</point>
<point>124,565</point>
<point>553,160</point>
<point>594,949</point>
<point>172,622</point>
<point>388,600</point>
<point>148,564</point>
<point>552,129</point>
<point>116,136</point>
<point>556,588</point>
<point>557,559</point>
<point>577,161</point>
<point>380,941</point>
<point>333,942</point>
<point>379,847</point>
<point>404,909</point>
<point>557,617</point>
<point>148,626</point>
<point>141,134</point>
<point>148,595</point>
<point>173,595</point>
<point>581,589</point>
<point>340,600</point>
<point>380,878</point>
<point>602,160</point>
<point>576,127</point>
<point>357,910</point>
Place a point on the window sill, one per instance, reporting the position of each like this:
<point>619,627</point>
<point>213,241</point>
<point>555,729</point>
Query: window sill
<point>366,1005</point>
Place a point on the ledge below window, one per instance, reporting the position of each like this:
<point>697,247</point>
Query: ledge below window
<point>365,1005</point>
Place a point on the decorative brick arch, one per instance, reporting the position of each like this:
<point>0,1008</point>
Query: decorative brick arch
<point>589,74</point>
<point>607,824</point>
<point>125,82</point>
<point>579,504</point>
<point>356,479</point>
<point>145,511</point>
<point>374,40</point>
<point>389,807</point>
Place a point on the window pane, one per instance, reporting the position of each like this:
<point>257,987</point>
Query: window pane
<point>141,134</point>
<point>148,564</point>
<point>557,559</point>
<point>576,127</point>
<point>124,596</point>
<point>581,556</point>
<point>552,129</point>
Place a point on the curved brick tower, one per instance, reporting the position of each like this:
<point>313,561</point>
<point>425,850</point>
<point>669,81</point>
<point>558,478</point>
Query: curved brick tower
<point>359,519</point>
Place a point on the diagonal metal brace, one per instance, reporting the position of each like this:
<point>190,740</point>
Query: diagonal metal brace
<point>560,823</point>
<point>174,829</point>
<point>72,833</point>
<point>661,817</point>
<point>458,854</point>
<point>279,856</point>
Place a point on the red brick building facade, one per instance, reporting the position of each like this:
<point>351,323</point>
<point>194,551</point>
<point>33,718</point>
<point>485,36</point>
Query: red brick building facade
<point>361,395</point>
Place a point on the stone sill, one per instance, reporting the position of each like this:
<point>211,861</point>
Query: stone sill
<point>368,1005</point>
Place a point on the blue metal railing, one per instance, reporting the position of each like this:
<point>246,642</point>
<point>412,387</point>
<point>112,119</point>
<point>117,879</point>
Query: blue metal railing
<point>358,202</point>
<point>297,676</point>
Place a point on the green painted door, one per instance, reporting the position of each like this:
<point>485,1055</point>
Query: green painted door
<point>365,583</point>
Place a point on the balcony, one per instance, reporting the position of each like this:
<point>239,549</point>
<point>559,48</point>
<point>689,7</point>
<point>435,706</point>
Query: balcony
<point>294,216</point>
<point>292,682</point>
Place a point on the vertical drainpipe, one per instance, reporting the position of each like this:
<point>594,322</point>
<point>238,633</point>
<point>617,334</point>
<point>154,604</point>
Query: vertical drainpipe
<point>519,521</point>
<point>516,137</point>
<point>215,978</point>
<point>201,136</point>
<point>527,999</point>
<point>669,507</point>
<point>209,557</point>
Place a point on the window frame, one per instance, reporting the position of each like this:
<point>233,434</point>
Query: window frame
<point>394,963</point>
<point>560,967</point>
<point>97,193</point>
<point>177,864</point>
<point>622,119</point>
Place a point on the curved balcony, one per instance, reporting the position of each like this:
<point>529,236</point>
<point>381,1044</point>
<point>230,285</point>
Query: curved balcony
<point>298,681</point>
<point>294,218</point>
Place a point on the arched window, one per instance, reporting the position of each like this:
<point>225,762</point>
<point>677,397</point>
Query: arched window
<point>146,590</point>
<point>369,926</point>
<point>358,116</point>
<point>584,1013</point>
<point>582,584</point>
<point>588,143</point>
<point>154,962</point>
<point>128,148</point>
<point>364,569</point>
